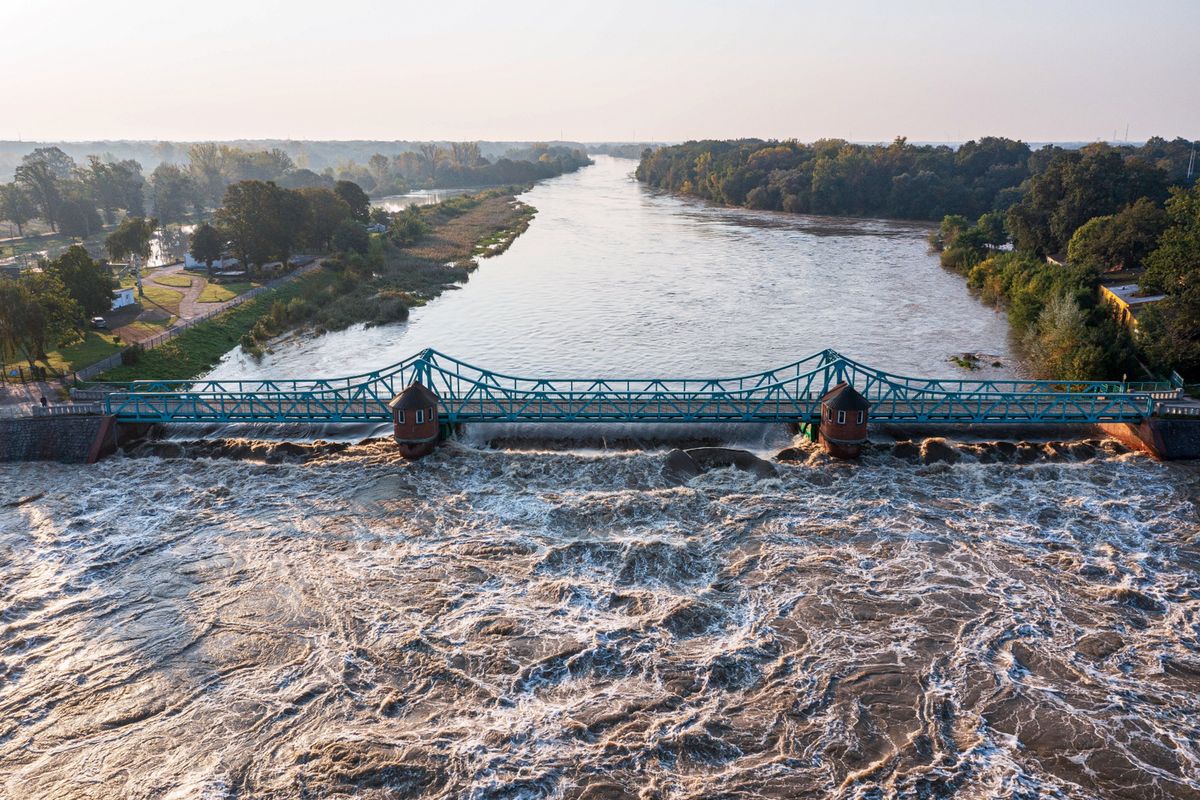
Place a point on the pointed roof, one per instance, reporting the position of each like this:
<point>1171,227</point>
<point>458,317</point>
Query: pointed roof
<point>413,397</point>
<point>844,397</point>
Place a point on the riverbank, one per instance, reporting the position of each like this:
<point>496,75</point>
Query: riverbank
<point>375,289</point>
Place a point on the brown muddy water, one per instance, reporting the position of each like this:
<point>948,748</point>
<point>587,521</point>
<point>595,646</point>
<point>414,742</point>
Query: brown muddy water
<point>1021,623</point>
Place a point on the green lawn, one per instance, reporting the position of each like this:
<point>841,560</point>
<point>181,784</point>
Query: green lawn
<point>220,292</point>
<point>92,348</point>
<point>148,326</point>
<point>195,350</point>
<point>181,281</point>
<point>159,296</point>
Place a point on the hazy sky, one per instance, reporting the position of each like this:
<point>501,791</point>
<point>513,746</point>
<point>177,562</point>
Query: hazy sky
<point>603,70</point>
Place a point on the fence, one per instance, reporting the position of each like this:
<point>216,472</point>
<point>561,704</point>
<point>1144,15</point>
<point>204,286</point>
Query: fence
<point>67,409</point>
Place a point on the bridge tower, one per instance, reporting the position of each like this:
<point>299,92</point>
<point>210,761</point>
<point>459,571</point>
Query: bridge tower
<point>415,420</point>
<point>844,415</point>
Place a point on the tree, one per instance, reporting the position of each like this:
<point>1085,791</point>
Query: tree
<point>173,192</point>
<point>351,237</point>
<point>1076,186</point>
<point>89,283</point>
<point>61,165</point>
<point>42,185</point>
<point>356,198</point>
<point>16,205</point>
<point>326,210</point>
<point>1062,345</point>
<point>1118,241</point>
<point>1176,261</point>
<point>78,217</point>
<point>36,315</point>
<point>380,167</point>
<point>408,226</point>
<point>131,238</point>
<point>1169,331</point>
<point>206,245</point>
<point>263,221</point>
<point>431,155</point>
<point>116,185</point>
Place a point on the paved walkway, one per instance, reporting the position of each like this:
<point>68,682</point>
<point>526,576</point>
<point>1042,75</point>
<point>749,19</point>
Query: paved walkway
<point>15,398</point>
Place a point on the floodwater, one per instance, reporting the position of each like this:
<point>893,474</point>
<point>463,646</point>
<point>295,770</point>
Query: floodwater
<point>1024,623</point>
<point>251,620</point>
<point>611,279</point>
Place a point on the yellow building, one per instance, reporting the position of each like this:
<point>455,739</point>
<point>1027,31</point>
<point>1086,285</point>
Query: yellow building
<point>1128,301</point>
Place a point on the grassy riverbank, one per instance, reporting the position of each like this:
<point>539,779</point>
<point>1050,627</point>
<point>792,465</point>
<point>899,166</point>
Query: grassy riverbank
<point>375,288</point>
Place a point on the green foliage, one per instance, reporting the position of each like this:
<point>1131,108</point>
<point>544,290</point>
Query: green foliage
<point>37,314</point>
<point>326,211</point>
<point>89,283</point>
<point>1118,241</point>
<point>263,222</point>
<point>408,226</point>
<point>174,193</point>
<point>355,198</point>
<point>1062,344</point>
<point>1075,186</point>
<point>351,237</point>
<point>115,185</point>
<point>1170,329</point>
<point>131,238</point>
<point>832,176</point>
<point>206,244</point>
<point>1176,262</point>
<point>16,206</point>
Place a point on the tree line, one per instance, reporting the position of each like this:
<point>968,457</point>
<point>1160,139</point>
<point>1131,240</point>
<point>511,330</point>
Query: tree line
<point>1090,215</point>
<point>1035,231</point>
<point>899,180</point>
<point>77,200</point>
<point>459,165</point>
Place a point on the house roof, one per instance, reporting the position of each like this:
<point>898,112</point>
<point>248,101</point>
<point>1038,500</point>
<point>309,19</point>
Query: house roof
<point>844,397</point>
<point>1130,294</point>
<point>413,397</point>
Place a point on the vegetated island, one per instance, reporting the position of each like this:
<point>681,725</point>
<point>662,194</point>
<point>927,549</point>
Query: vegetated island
<point>374,281</point>
<point>1036,232</point>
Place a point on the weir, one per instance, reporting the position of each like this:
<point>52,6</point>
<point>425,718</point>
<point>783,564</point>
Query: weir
<point>789,394</point>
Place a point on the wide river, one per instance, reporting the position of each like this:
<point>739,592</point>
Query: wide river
<point>238,619</point>
<point>614,279</point>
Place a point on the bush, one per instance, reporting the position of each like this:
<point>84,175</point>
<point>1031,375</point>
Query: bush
<point>131,355</point>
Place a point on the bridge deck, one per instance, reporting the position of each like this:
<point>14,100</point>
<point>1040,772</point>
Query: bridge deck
<point>787,394</point>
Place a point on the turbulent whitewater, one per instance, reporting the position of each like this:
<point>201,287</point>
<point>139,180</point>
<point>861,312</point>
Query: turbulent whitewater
<point>263,620</point>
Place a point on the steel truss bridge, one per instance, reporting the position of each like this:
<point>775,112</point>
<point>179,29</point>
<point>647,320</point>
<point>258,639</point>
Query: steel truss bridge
<point>788,394</point>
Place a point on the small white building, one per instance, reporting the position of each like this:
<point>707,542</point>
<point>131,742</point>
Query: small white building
<point>219,264</point>
<point>124,297</point>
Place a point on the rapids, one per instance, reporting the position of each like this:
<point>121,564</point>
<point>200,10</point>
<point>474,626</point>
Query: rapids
<point>262,620</point>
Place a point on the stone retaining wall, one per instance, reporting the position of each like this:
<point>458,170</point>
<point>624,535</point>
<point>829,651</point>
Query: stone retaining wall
<point>67,439</point>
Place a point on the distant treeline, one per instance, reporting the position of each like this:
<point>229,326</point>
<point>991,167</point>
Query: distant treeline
<point>77,199</point>
<point>305,154</point>
<point>899,180</point>
<point>458,165</point>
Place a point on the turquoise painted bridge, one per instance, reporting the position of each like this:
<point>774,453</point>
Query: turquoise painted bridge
<point>787,394</point>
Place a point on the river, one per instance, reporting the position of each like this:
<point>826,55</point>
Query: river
<point>213,620</point>
<point>611,278</point>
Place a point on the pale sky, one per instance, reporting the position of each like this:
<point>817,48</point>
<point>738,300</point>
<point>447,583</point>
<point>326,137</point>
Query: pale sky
<point>595,71</point>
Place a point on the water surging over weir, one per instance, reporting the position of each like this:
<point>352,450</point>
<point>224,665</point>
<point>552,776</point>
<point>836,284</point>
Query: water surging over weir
<point>488,624</point>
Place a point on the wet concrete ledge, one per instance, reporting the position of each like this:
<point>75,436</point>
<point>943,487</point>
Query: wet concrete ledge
<point>66,439</point>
